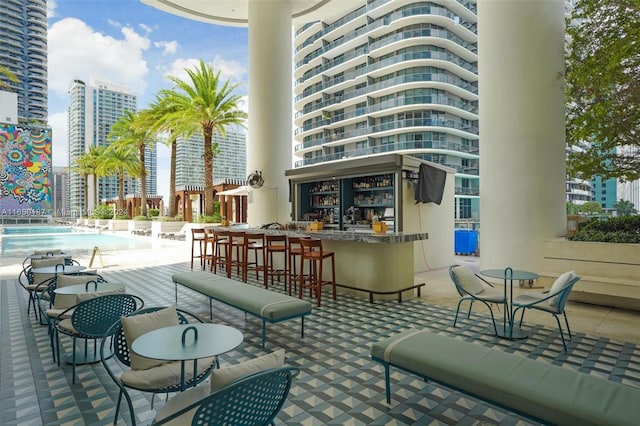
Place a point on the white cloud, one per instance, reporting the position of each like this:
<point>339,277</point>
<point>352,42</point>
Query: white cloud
<point>147,29</point>
<point>77,51</point>
<point>228,69</point>
<point>51,8</point>
<point>60,138</point>
<point>168,47</point>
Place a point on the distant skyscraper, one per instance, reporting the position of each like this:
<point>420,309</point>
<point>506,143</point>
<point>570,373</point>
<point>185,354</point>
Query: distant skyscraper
<point>92,112</point>
<point>230,163</point>
<point>60,186</point>
<point>23,51</point>
<point>392,76</point>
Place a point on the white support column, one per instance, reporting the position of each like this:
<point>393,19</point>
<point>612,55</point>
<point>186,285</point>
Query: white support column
<point>522,139</point>
<point>270,109</point>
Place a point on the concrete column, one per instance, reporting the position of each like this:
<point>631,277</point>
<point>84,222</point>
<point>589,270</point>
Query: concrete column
<point>522,139</point>
<point>270,109</point>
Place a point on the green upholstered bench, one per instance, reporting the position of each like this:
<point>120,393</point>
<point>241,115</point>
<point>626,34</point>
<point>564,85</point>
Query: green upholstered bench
<point>268,305</point>
<point>535,389</point>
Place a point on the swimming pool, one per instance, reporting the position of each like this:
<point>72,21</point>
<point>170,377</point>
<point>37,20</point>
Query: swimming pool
<point>21,230</point>
<point>17,244</point>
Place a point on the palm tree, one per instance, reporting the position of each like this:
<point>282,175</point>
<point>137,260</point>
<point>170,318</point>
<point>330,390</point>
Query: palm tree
<point>130,131</point>
<point>164,117</point>
<point>624,208</point>
<point>120,160</point>
<point>209,102</point>
<point>82,167</point>
<point>86,165</point>
<point>6,72</point>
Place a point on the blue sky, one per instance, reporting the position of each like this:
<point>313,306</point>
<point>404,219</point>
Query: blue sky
<point>136,46</point>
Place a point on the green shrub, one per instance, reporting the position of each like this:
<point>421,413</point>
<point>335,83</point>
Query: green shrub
<point>612,230</point>
<point>142,218</point>
<point>102,211</point>
<point>154,212</point>
<point>177,218</point>
<point>215,218</point>
<point>123,217</point>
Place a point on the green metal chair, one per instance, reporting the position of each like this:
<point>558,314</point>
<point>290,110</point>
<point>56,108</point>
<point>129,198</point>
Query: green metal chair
<point>471,288</point>
<point>36,283</point>
<point>46,300</point>
<point>122,354</point>
<point>91,320</point>
<point>252,401</point>
<point>552,301</point>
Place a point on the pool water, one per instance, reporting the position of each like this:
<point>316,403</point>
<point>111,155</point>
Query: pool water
<point>21,230</point>
<point>23,244</point>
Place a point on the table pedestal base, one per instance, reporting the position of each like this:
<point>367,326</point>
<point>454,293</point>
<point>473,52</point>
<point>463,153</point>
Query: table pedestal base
<point>506,333</point>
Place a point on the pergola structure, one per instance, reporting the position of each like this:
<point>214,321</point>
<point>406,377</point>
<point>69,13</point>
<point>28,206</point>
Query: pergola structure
<point>232,206</point>
<point>521,81</point>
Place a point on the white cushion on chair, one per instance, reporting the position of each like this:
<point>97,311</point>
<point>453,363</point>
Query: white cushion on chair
<point>227,375</point>
<point>219,379</point>
<point>559,284</point>
<point>468,280</point>
<point>135,326</point>
<point>64,301</point>
<point>163,375</point>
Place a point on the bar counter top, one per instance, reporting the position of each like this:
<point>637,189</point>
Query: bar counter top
<point>380,264</point>
<point>362,236</point>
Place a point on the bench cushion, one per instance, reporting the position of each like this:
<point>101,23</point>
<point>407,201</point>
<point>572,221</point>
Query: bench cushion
<point>552,393</point>
<point>261,302</point>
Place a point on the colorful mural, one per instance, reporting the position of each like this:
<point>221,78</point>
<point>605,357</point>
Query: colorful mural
<point>25,172</point>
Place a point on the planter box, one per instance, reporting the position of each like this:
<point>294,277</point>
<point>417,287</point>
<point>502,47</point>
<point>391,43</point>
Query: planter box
<point>610,271</point>
<point>158,227</point>
<point>118,225</point>
<point>138,225</point>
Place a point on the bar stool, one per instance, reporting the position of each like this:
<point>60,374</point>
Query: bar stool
<point>198,238</point>
<point>276,244</point>
<point>294,250</point>
<point>209,242</point>
<point>313,252</point>
<point>220,250</point>
<point>254,242</point>
<point>237,244</point>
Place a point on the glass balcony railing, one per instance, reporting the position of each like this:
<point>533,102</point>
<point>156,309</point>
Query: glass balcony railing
<point>394,147</point>
<point>432,9</point>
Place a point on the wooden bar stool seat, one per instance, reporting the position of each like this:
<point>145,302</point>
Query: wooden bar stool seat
<point>236,254</point>
<point>294,251</point>
<point>254,243</point>
<point>210,247</point>
<point>276,244</point>
<point>221,250</point>
<point>313,253</point>
<point>198,239</point>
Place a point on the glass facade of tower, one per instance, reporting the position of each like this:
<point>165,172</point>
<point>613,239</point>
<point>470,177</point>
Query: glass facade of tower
<point>392,77</point>
<point>23,51</point>
<point>92,112</point>
<point>229,163</point>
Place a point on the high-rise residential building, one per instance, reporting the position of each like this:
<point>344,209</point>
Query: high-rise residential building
<point>396,77</point>
<point>93,110</point>
<point>229,163</point>
<point>23,51</point>
<point>60,187</point>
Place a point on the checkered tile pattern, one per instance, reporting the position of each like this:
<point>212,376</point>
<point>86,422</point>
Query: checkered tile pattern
<point>338,383</point>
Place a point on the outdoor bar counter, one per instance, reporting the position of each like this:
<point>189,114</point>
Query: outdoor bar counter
<point>377,264</point>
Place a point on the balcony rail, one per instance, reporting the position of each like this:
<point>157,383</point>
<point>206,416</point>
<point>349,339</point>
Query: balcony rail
<point>399,124</point>
<point>393,147</point>
<point>446,77</point>
<point>424,32</point>
<point>444,56</point>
